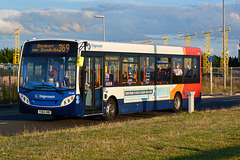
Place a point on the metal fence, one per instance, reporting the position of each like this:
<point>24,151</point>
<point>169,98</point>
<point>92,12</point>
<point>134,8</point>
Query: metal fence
<point>215,85</point>
<point>8,83</point>
<point>9,74</point>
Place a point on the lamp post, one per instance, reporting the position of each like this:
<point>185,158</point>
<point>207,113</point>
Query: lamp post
<point>224,63</point>
<point>103,17</point>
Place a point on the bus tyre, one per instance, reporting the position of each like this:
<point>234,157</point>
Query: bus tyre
<point>111,110</point>
<point>177,103</point>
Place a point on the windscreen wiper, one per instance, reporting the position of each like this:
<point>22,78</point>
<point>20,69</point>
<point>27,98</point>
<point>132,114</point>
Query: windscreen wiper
<point>28,90</point>
<point>46,86</point>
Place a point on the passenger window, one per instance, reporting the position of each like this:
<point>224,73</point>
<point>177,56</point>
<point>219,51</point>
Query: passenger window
<point>191,73</point>
<point>147,70</point>
<point>112,70</point>
<point>195,67</point>
<point>163,70</point>
<point>130,71</point>
<point>188,71</point>
<point>177,70</point>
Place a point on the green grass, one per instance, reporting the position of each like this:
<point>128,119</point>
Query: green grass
<point>211,134</point>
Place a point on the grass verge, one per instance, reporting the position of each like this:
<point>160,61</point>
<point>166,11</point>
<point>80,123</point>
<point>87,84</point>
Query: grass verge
<point>212,134</point>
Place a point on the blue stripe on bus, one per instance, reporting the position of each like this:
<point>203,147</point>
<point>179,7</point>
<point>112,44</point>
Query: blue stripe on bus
<point>149,105</point>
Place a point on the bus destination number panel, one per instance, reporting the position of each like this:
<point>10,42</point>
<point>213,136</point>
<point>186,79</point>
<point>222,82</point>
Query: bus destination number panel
<point>50,48</point>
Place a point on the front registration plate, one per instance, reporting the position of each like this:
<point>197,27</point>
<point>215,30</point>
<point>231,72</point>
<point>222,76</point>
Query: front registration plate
<point>44,112</point>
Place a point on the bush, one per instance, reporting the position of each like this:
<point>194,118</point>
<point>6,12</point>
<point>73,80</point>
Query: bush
<point>5,99</point>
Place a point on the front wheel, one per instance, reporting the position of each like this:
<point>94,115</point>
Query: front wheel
<point>111,110</point>
<point>177,106</point>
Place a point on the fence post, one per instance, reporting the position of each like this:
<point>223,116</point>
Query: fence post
<point>231,83</point>
<point>9,72</point>
<point>211,74</point>
<point>1,81</point>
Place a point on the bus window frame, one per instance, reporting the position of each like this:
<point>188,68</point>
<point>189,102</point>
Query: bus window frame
<point>156,72</point>
<point>138,66</point>
<point>182,79</point>
<point>104,65</point>
<point>138,56</point>
<point>152,56</point>
<point>192,79</point>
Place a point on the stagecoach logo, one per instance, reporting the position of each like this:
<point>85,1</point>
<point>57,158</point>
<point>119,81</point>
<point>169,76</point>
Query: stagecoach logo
<point>44,96</point>
<point>88,46</point>
<point>95,46</point>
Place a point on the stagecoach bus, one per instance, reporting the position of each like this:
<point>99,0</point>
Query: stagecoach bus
<point>92,78</point>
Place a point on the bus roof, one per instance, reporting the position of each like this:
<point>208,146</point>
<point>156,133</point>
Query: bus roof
<point>100,46</point>
<point>140,48</point>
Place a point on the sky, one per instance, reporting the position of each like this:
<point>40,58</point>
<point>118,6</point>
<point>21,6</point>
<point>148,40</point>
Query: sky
<point>125,20</point>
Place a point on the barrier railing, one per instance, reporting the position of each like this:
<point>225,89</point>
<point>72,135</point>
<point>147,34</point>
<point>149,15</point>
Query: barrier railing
<point>8,83</point>
<point>214,84</point>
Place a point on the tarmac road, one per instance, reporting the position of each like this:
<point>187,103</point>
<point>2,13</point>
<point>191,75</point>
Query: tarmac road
<point>14,123</point>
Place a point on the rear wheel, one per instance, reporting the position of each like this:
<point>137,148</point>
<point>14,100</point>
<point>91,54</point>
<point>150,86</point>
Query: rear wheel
<point>177,105</point>
<point>111,110</point>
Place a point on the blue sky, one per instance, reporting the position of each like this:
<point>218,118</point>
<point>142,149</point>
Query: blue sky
<point>125,20</point>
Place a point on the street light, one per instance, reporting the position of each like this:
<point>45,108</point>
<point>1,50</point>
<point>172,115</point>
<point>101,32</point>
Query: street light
<point>103,17</point>
<point>224,63</point>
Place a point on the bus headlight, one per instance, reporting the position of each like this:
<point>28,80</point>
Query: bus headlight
<point>24,98</point>
<point>66,101</point>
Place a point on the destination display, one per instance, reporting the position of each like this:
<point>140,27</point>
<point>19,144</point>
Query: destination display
<point>50,48</point>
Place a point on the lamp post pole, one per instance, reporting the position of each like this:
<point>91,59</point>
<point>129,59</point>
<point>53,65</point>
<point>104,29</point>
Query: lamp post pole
<point>103,17</point>
<point>224,63</point>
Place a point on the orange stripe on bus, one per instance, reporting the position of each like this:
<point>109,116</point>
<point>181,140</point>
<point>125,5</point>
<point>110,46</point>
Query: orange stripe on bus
<point>179,88</point>
<point>184,51</point>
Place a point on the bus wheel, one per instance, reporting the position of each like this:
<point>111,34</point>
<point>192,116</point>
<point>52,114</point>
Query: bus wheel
<point>177,105</point>
<point>111,110</point>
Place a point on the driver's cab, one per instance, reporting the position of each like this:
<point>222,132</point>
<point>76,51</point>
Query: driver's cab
<point>54,71</point>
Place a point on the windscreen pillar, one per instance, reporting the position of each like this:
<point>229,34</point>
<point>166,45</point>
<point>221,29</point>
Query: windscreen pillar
<point>190,95</point>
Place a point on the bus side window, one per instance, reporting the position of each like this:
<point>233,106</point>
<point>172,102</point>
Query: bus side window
<point>130,71</point>
<point>177,70</point>
<point>188,67</point>
<point>163,70</point>
<point>147,70</point>
<point>112,71</point>
<point>195,67</point>
<point>191,67</point>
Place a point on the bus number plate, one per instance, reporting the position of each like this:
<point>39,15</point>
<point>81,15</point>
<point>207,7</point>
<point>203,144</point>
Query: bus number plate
<point>44,112</point>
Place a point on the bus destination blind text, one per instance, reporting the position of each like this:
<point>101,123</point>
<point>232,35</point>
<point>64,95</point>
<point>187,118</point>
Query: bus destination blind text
<point>50,48</point>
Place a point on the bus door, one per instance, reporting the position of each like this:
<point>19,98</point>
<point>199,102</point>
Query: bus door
<point>93,101</point>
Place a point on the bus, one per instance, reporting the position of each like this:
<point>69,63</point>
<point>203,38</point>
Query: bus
<point>62,77</point>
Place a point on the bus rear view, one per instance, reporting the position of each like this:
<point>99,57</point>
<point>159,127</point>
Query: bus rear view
<point>47,77</point>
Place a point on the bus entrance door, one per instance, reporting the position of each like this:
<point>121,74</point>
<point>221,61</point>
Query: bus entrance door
<point>93,86</point>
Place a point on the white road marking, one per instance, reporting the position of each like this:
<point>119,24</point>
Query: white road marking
<point>228,100</point>
<point>4,123</point>
<point>205,102</point>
